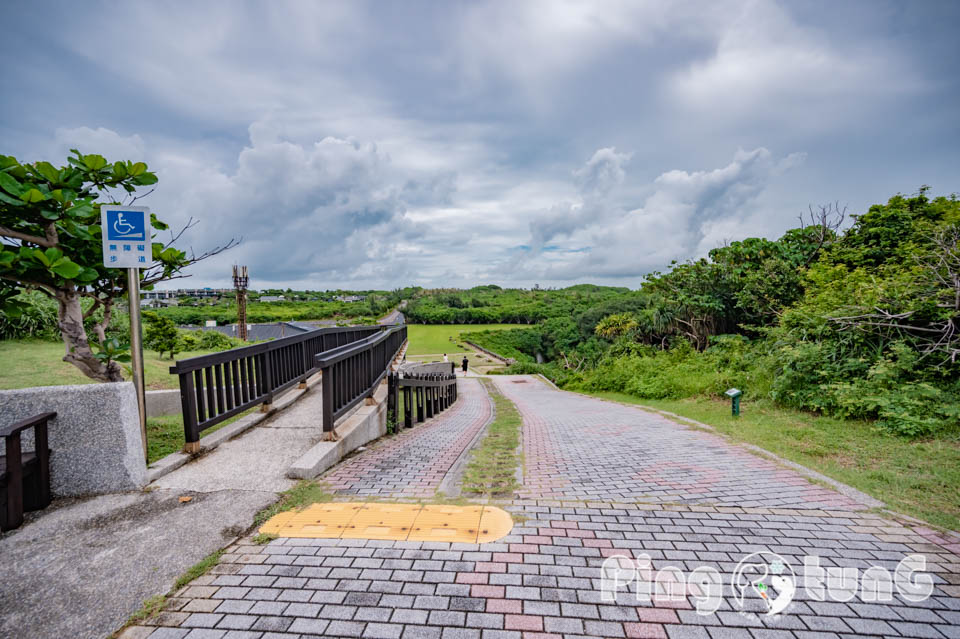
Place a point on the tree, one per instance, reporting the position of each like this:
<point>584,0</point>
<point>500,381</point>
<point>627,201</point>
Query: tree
<point>161,335</point>
<point>50,241</point>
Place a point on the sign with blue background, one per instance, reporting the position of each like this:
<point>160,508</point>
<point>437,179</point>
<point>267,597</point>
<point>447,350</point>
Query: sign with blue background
<point>126,236</point>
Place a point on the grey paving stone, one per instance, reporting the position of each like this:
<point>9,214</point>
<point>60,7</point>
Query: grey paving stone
<point>722,632</point>
<point>421,632</point>
<point>308,626</point>
<point>376,630</point>
<point>675,631</point>
<point>909,629</point>
<point>237,622</point>
<point>339,628</point>
<point>202,620</point>
<point>471,604</point>
<point>272,624</point>
<point>870,627</point>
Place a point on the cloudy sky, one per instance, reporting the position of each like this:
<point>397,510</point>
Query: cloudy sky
<point>383,144</point>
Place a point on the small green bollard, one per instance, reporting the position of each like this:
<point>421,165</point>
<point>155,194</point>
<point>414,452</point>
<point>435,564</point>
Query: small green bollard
<point>734,395</point>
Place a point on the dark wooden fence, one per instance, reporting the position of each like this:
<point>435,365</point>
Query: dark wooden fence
<point>351,373</point>
<point>24,476</point>
<point>424,394</point>
<point>215,387</point>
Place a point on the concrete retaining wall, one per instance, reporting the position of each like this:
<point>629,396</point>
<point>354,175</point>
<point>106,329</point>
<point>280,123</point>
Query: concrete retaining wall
<point>94,439</point>
<point>163,402</point>
<point>505,360</point>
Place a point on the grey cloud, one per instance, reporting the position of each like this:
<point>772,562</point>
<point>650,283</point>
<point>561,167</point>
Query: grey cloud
<point>425,142</point>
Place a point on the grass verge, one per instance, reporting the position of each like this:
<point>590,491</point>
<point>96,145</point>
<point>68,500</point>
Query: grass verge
<point>165,434</point>
<point>492,469</point>
<point>920,478</point>
<point>304,493</point>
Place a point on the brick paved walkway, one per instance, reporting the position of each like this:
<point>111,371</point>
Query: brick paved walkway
<point>543,580</point>
<point>583,448</point>
<point>413,463</point>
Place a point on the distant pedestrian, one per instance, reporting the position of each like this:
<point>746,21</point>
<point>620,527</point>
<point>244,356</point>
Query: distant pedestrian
<point>445,358</point>
<point>464,364</point>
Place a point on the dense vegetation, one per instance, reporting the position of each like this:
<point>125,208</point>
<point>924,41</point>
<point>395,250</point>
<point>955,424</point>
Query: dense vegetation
<point>376,303</point>
<point>494,305</point>
<point>861,323</point>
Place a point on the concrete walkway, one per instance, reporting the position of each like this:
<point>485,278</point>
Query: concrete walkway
<point>82,567</point>
<point>601,480</point>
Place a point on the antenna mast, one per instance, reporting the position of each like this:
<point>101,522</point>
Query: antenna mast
<point>240,281</point>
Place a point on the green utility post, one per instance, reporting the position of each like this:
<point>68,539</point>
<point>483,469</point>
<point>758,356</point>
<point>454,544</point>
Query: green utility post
<point>734,396</point>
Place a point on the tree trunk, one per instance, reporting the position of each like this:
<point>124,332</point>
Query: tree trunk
<point>78,352</point>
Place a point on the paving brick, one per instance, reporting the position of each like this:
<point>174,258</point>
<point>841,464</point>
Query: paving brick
<point>340,628</point>
<point>644,631</point>
<point>382,631</point>
<point>202,620</point>
<point>308,626</point>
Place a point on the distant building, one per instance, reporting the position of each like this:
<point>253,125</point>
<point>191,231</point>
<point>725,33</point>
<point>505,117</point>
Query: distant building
<point>272,298</point>
<point>185,292</point>
<point>159,302</point>
<point>350,298</point>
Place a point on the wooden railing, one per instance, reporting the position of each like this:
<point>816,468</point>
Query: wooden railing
<point>215,387</point>
<point>424,394</point>
<point>24,477</point>
<point>351,373</point>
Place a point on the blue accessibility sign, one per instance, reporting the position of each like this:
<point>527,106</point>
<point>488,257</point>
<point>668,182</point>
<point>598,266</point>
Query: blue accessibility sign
<point>126,239</point>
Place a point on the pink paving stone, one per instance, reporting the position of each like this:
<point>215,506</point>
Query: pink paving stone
<point>523,622</point>
<point>514,606</point>
<point>541,635</point>
<point>490,566</point>
<point>472,578</point>
<point>644,631</point>
<point>524,548</point>
<point>658,615</point>
<point>552,532</point>
<point>508,557</point>
<point>564,524</point>
<point>536,539</point>
<point>495,592</point>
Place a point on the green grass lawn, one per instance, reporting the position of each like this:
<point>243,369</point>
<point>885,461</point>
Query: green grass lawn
<point>434,339</point>
<point>29,363</point>
<point>918,478</point>
<point>165,434</point>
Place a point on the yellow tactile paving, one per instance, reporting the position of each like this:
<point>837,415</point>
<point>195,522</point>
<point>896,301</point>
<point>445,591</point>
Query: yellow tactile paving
<point>494,524</point>
<point>382,521</point>
<point>447,523</point>
<point>401,522</point>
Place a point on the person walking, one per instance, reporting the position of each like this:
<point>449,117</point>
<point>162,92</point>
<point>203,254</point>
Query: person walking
<point>464,364</point>
<point>445,358</point>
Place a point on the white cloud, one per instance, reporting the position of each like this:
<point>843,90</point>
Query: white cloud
<point>683,209</point>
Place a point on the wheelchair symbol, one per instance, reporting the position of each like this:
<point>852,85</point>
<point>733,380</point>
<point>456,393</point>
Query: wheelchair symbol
<point>121,228</point>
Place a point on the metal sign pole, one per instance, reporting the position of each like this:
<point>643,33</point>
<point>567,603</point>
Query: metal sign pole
<point>136,350</point>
